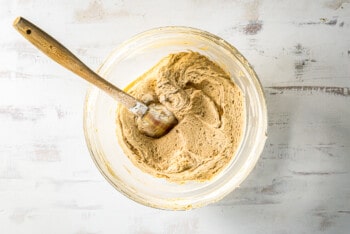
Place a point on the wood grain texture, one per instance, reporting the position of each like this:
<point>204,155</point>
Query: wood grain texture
<point>60,54</point>
<point>299,49</point>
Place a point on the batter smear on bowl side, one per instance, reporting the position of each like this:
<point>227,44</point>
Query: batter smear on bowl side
<point>209,108</point>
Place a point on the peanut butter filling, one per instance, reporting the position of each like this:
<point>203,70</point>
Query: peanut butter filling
<point>209,108</point>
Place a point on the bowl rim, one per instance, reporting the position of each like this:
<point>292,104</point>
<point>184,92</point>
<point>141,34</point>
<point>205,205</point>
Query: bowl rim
<point>240,58</point>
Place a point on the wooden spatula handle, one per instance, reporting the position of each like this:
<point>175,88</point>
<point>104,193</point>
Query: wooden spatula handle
<point>67,59</point>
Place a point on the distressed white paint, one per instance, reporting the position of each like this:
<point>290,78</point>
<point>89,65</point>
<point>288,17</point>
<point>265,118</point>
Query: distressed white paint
<point>301,52</point>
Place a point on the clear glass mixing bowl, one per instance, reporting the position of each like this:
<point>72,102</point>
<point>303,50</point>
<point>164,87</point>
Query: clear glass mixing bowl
<point>130,60</point>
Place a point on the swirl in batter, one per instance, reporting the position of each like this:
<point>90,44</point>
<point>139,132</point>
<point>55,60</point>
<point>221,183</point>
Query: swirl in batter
<point>209,108</point>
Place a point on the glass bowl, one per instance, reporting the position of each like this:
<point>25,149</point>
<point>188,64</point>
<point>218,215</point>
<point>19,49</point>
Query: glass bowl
<point>129,61</point>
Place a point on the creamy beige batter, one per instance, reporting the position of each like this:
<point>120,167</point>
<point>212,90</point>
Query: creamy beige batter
<point>209,108</point>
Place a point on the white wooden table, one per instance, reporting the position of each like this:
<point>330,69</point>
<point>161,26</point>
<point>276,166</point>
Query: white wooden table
<point>299,49</point>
